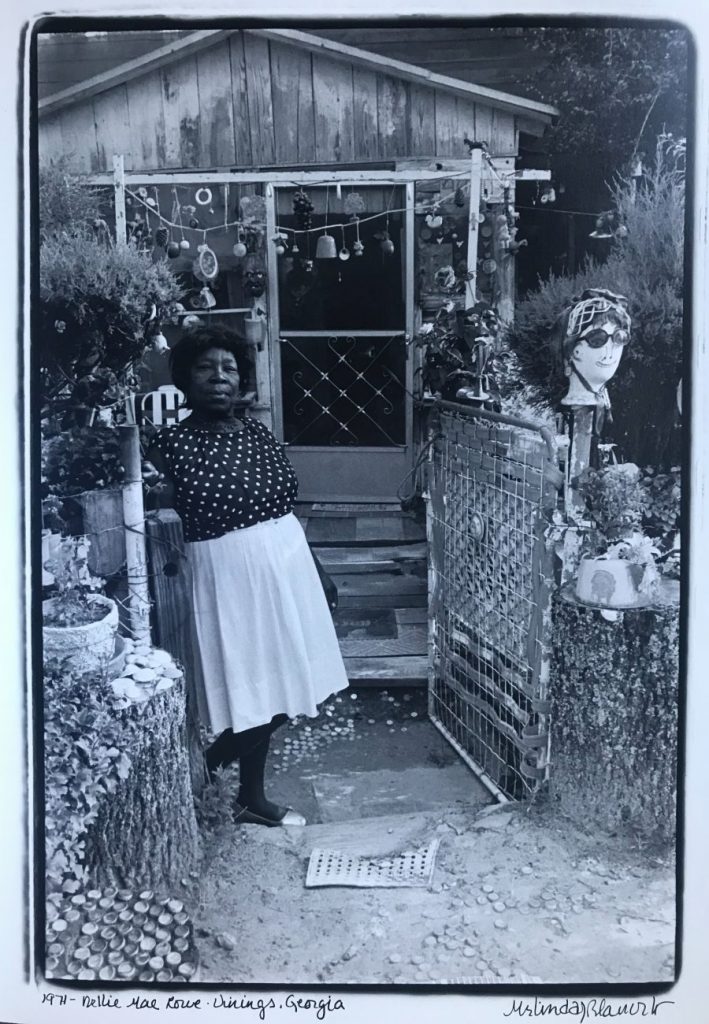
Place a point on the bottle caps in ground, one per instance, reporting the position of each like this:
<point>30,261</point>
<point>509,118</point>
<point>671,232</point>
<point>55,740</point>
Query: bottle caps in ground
<point>118,935</point>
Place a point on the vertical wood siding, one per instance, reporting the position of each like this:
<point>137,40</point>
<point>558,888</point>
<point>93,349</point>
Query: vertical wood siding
<point>182,113</point>
<point>246,102</point>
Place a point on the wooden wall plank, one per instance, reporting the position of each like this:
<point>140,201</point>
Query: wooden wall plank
<point>366,117</point>
<point>483,125</point>
<point>466,124</point>
<point>293,112</point>
<point>113,132</point>
<point>240,100</point>
<point>182,113</point>
<point>258,81</point>
<point>422,121</point>
<point>217,145</point>
<point>79,137</point>
<point>50,144</point>
<point>502,136</point>
<point>334,110</point>
<point>392,103</point>
<point>448,142</point>
<point>147,121</point>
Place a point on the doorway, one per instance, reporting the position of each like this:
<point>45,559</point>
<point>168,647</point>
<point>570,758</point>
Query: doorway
<point>342,373</point>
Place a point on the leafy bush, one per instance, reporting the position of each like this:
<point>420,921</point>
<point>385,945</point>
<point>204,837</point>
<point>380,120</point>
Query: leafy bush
<point>85,757</point>
<point>79,460</point>
<point>647,266</point>
<point>66,203</point>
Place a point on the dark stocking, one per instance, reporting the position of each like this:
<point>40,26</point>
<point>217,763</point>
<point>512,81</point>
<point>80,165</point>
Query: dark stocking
<point>251,748</point>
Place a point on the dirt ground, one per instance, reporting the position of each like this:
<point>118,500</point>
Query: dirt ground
<point>517,894</point>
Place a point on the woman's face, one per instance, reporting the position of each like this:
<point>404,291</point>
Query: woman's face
<point>598,361</point>
<point>214,383</point>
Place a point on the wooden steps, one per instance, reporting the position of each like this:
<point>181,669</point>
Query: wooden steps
<point>376,556</point>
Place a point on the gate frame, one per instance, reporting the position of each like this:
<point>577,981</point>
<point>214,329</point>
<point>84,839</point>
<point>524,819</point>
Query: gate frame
<point>544,632</point>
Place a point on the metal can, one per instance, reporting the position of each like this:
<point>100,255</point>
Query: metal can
<point>148,944</point>
<point>82,953</point>
<point>110,917</point>
<point>141,907</point>
<point>73,968</point>
<point>156,963</point>
<point>141,957</point>
<point>146,975</point>
<point>94,894</point>
<point>165,920</point>
<point>89,928</point>
<point>130,949</point>
<point>146,895</point>
<point>94,961</point>
<point>162,934</point>
<point>182,931</point>
<point>175,906</point>
<point>55,949</point>
<point>155,910</point>
<point>72,915</point>
<point>117,942</point>
<point>59,925</point>
<point>150,927</point>
<point>98,945</point>
<point>186,969</point>
<point>181,945</point>
<point>164,975</point>
<point>124,894</point>
<point>105,903</point>
<point>114,957</point>
<point>86,975</point>
<point>139,920</point>
<point>125,915</point>
<point>111,892</point>
<point>181,917</point>
<point>107,972</point>
<point>126,971</point>
<point>162,949</point>
<point>173,958</point>
<point>134,935</point>
<point>51,966</point>
<point>78,899</point>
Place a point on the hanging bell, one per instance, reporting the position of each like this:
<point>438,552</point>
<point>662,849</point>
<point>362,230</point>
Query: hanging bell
<point>239,250</point>
<point>386,244</point>
<point>326,249</point>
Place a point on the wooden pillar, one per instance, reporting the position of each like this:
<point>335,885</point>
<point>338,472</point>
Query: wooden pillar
<point>134,524</point>
<point>476,157</point>
<point>119,194</point>
<point>171,587</point>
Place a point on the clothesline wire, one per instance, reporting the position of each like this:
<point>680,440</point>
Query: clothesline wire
<point>154,210</point>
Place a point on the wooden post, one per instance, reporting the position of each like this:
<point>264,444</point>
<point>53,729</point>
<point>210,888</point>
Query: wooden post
<point>134,524</point>
<point>171,587</point>
<point>580,454</point>
<point>476,157</point>
<point>119,194</point>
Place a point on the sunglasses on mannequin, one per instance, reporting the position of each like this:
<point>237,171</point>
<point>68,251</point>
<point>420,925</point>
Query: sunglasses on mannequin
<point>597,337</point>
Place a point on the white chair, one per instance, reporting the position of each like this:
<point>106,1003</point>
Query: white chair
<point>163,408</point>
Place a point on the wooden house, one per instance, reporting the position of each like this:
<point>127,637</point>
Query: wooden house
<point>215,135</point>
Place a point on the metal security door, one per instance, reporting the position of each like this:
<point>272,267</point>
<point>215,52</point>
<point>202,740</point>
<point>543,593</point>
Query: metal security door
<point>342,374</point>
<point>491,479</point>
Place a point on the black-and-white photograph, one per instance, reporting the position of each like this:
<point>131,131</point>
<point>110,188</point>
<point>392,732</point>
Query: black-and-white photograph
<point>359,370</point>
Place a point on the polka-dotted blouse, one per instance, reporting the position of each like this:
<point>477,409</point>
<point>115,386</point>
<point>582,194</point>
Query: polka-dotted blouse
<point>225,482</point>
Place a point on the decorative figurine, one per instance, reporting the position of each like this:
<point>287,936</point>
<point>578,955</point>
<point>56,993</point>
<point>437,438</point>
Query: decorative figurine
<point>595,329</point>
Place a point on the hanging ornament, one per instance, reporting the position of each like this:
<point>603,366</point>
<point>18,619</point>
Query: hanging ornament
<point>280,239</point>
<point>203,196</point>
<point>386,244</point>
<point>354,205</point>
<point>294,248</point>
<point>326,249</point>
<point>161,237</point>
<point>308,266</point>
<point>459,197</point>
<point>159,343</point>
<point>173,250</point>
<point>150,201</point>
<point>190,321</point>
<point>194,223</point>
<point>206,266</point>
<point>184,244</point>
<point>358,247</point>
<point>239,249</point>
<point>253,210</point>
<point>344,252</point>
<point>205,299</point>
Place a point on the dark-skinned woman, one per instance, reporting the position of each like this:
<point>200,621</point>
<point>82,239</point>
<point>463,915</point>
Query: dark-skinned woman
<point>266,644</point>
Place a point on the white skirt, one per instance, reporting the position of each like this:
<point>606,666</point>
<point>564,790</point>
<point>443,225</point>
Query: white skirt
<point>265,640</point>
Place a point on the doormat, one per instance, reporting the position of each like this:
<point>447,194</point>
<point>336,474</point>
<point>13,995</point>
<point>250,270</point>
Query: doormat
<point>409,869</point>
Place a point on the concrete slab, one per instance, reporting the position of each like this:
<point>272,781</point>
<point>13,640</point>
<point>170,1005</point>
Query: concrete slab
<point>376,793</point>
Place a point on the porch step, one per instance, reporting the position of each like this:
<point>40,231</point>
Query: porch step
<point>373,530</point>
<point>401,670</point>
<point>365,558</point>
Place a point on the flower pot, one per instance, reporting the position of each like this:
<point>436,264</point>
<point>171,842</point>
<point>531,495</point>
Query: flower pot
<point>118,661</point>
<point>86,648</point>
<point>253,330</point>
<point>610,583</point>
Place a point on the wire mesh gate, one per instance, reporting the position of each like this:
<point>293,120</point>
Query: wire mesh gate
<point>490,480</point>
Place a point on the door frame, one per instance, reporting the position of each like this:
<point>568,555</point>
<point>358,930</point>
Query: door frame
<point>407,182</point>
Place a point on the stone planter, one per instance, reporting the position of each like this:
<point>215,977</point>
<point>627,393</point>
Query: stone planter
<point>610,583</point>
<point>86,648</point>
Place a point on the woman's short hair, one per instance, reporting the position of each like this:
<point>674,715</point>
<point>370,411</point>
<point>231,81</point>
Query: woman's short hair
<point>196,341</point>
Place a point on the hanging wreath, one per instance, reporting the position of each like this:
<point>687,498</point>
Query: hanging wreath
<point>203,196</point>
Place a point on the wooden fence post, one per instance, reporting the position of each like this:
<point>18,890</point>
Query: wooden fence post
<point>171,586</point>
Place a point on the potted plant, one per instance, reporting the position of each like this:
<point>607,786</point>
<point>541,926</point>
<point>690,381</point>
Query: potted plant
<point>617,567</point>
<point>79,622</point>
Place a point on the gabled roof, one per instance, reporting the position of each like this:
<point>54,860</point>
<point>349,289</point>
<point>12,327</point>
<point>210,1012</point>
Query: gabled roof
<point>194,41</point>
